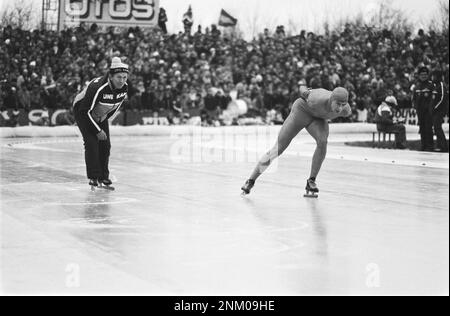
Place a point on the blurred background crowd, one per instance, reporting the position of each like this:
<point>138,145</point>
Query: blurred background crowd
<point>200,71</point>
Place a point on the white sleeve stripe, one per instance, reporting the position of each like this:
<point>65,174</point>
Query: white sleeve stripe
<point>116,111</point>
<point>80,96</point>
<point>93,122</point>
<point>92,107</point>
<point>442,95</point>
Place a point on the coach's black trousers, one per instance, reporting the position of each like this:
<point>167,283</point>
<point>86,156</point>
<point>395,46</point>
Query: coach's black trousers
<point>424,114</point>
<point>438,119</point>
<point>96,152</point>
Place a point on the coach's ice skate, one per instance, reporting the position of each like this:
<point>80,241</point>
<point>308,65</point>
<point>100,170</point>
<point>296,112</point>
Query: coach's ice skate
<point>106,184</point>
<point>311,189</point>
<point>93,183</point>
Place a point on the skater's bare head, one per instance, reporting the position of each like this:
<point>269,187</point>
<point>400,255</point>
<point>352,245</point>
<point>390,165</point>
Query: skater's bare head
<point>118,73</point>
<point>338,99</point>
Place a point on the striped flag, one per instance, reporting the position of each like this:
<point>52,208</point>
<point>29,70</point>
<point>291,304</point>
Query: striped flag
<point>226,19</point>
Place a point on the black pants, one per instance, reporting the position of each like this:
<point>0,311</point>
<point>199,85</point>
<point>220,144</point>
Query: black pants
<point>209,116</point>
<point>426,128</point>
<point>400,133</point>
<point>438,119</point>
<point>96,152</point>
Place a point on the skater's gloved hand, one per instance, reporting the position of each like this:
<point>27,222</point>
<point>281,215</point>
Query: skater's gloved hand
<point>102,135</point>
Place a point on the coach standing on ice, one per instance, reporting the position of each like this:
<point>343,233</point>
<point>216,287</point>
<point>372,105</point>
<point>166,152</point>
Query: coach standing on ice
<point>440,109</point>
<point>97,103</point>
<point>422,101</point>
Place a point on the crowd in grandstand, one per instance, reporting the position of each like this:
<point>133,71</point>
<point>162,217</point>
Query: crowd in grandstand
<point>200,73</point>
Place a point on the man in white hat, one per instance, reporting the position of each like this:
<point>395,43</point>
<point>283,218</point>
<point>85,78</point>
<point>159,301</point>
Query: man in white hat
<point>384,118</point>
<point>98,102</point>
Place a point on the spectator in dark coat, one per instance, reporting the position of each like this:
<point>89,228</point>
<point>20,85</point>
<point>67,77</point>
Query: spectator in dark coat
<point>210,110</point>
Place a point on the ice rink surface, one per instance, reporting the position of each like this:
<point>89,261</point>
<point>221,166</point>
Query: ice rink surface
<point>177,225</point>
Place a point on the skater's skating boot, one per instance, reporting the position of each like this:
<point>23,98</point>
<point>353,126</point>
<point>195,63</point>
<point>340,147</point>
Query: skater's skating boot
<point>106,184</point>
<point>311,189</point>
<point>249,184</point>
<point>93,183</point>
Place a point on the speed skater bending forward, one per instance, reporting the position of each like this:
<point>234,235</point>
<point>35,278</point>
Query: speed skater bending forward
<point>311,111</point>
<point>93,107</point>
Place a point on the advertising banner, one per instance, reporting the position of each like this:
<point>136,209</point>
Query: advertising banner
<point>117,13</point>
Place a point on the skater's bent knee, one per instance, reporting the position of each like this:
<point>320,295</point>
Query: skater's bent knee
<point>322,142</point>
<point>281,148</point>
<point>265,163</point>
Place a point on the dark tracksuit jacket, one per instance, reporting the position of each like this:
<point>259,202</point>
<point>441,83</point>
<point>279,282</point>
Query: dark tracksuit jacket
<point>93,106</point>
<point>440,110</point>
<point>423,103</point>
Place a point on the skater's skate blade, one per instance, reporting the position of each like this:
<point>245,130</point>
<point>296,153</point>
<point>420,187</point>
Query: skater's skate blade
<point>107,188</point>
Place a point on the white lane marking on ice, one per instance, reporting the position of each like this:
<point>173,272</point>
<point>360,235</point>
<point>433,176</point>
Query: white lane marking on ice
<point>100,222</point>
<point>254,253</point>
<point>98,225</point>
<point>34,147</point>
<point>118,201</point>
<point>301,226</point>
<point>348,157</point>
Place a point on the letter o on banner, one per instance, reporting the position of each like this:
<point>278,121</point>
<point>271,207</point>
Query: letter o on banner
<point>77,11</point>
<point>35,115</point>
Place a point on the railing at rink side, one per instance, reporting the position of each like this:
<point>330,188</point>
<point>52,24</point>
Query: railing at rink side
<point>59,117</point>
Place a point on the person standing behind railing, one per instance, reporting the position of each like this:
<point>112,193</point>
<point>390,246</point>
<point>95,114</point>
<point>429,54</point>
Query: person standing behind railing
<point>440,109</point>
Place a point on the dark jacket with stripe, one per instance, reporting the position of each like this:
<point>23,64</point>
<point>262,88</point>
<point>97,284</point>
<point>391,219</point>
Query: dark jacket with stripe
<point>423,97</point>
<point>99,101</point>
<point>441,98</point>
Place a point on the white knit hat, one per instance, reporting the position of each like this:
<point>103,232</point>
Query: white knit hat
<point>391,100</point>
<point>117,66</point>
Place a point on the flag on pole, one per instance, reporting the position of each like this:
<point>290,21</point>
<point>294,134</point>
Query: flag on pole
<point>226,19</point>
<point>188,17</point>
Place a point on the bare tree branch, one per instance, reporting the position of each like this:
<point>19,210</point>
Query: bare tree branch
<point>20,14</point>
